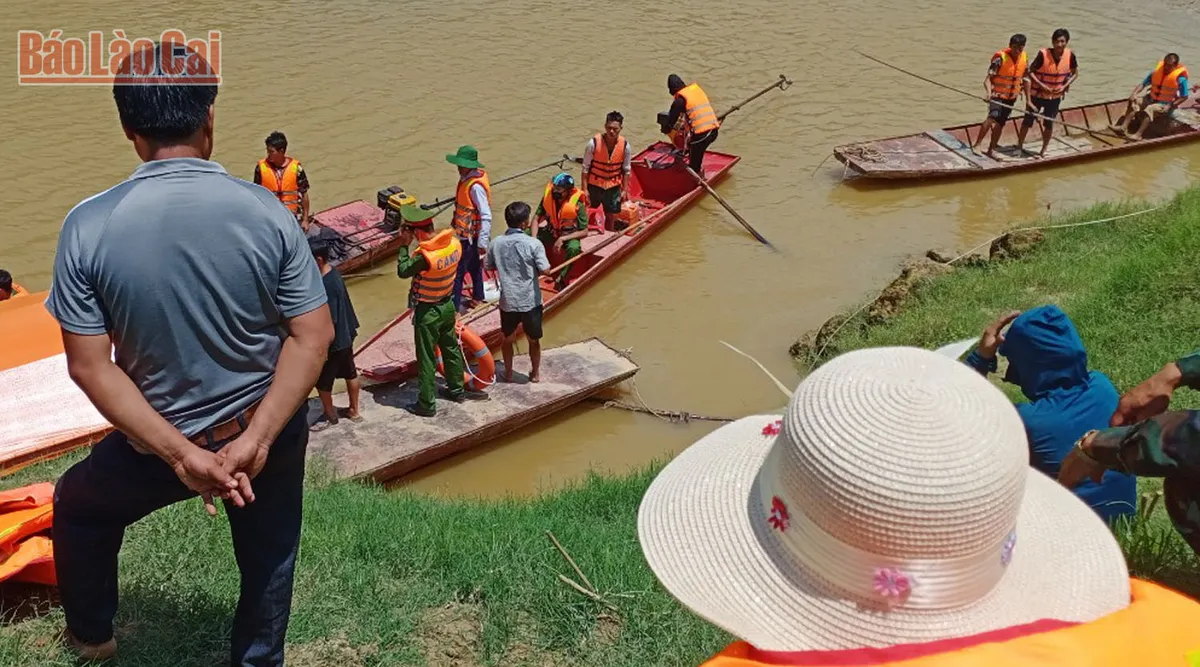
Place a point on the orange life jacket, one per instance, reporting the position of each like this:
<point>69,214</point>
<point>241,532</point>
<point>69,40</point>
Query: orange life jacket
<point>1164,86</point>
<point>607,168</point>
<point>467,223</point>
<point>26,553</point>
<point>1159,627</point>
<point>565,215</point>
<point>700,113</point>
<point>1053,74</point>
<point>1006,82</point>
<point>287,187</point>
<point>442,253</point>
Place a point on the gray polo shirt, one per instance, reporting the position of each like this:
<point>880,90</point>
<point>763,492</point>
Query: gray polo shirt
<point>518,258</point>
<point>192,272</point>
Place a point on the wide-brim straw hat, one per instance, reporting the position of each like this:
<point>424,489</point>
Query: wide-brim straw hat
<point>892,503</point>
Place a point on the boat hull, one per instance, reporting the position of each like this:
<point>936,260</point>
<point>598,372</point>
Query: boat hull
<point>946,153</point>
<point>661,188</point>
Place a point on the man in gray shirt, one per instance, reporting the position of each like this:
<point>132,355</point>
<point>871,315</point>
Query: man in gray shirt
<point>207,289</point>
<point>519,259</point>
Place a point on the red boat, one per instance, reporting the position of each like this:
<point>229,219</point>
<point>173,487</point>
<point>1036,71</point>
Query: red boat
<point>660,187</point>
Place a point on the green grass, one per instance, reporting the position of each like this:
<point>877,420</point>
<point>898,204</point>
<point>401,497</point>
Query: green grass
<point>377,570</point>
<point>1132,287</point>
<point>392,578</point>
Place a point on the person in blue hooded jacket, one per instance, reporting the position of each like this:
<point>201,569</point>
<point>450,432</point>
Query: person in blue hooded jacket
<point>1047,360</point>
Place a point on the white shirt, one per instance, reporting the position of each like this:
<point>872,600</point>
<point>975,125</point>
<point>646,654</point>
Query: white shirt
<point>480,199</point>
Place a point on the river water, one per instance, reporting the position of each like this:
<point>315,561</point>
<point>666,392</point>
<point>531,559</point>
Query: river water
<point>372,93</point>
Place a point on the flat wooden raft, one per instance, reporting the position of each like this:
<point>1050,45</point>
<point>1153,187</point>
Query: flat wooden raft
<point>390,442</point>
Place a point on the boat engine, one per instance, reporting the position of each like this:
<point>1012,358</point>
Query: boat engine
<point>390,199</point>
<point>678,135</point>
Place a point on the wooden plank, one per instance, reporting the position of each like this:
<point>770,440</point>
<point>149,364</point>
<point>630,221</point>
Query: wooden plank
<point>391,442</point>
<point>960,149</point>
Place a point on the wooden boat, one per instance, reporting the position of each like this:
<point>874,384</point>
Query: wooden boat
<point>661,188</point>
<point>947,152</point>
<point>390,442</point>
<point>361,236</point>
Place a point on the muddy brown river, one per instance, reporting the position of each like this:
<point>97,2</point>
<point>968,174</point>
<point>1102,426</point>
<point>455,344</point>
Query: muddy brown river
<point>373,93</point>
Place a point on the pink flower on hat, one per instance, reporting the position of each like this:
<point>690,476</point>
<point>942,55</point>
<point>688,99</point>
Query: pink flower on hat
<point>892,583</point>
<point>773,427</point>
<point>779,518</point>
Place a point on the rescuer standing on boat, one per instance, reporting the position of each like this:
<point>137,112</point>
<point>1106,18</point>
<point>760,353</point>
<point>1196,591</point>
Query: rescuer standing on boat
<point>562,221</point>
<point>285,177</point>
<point>472,220</point>
<point>607,163</point>
<point>1005,83</point>
<point>432,267</point>
<point>700,119</point>
<point>1052,72</point>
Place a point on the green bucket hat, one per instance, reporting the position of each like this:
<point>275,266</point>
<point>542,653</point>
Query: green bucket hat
<point>415,216</point>
<point>467,157</point>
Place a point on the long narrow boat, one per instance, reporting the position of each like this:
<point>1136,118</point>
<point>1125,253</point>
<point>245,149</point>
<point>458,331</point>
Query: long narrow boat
<point>661,188</point>
<point>947,152</point>
<point>363,236</point>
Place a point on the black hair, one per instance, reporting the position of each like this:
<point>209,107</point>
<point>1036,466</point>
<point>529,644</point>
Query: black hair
<point>675,83</point>
<point>1061,32</point>
<point>516,214</point>
<point>1172,55</point>
<point>1017,40</point>
<point>614,115</point>
<point>320,249</point>
<point>6,281</point>
<point>162,106</point>
<point>277,140</point>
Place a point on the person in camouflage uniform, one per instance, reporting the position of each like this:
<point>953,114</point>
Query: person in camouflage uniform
<point>1144,440</point>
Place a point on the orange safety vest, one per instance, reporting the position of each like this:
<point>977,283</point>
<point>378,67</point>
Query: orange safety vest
<point>700,113</point>
<point>1006,83</point>
<point>442,253</point>
<point>568,213</point>
<point>1159,627</point>
<point>1053,73</point>
<point>467,223</point>
<point>1165,87</point>
<point>607,168</point>
<point>26,553</point>
<point>287,188</point>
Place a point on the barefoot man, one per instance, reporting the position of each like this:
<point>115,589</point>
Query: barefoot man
<point>1166,88</point>
<point>1051,74</point>
<point>519,259</point>
<point>1005,82</point>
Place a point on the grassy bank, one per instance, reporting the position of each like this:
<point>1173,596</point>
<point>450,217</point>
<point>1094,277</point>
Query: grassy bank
<point>1131,286</point>
<point>390,578</point>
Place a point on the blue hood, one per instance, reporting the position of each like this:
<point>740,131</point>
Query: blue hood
<point>1044,353</point>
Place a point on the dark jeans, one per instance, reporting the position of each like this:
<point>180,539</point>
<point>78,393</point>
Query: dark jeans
<point>116,486</point>
<point>471,263</point>
<point>696,148</point>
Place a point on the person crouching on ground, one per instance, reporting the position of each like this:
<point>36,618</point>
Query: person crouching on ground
<point>340,362</point>
<point>1047,360</point>
<point>432,267</point>
<point>519,259</point>
<point>889,517</point>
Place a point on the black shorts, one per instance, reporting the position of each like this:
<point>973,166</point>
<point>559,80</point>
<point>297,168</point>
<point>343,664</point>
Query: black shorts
<point>1047,108</point>
<point>998,113</point>
<point>610,198</point>
<point>339,364</point>
<point>530,320</point>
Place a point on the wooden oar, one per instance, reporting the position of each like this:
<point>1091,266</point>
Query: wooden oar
<point>1001,104</point>
<point>591,251</point>
<point>781,84</point>
<point>704,184</point>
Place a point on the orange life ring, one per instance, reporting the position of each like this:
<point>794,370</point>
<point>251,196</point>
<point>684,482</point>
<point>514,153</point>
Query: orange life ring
<point>481,367</point>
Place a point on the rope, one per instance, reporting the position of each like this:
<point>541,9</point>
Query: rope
<point>864,153</point>
<point>669,416</point>
<point>866,305</point>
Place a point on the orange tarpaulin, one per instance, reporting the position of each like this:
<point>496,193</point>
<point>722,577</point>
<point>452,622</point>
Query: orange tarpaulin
<point>27,331</point>
<point>45,414</point>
